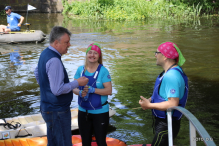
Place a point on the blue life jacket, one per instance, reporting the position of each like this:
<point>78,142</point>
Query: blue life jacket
<point>50,102</point>
<point>156,98</point>
<point>94,100</point>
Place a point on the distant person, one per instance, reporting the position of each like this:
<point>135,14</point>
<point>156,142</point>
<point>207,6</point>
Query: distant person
<point>171,89</point>
<point>13,21</point>
<point>93,114</point>
<point>56,89</point>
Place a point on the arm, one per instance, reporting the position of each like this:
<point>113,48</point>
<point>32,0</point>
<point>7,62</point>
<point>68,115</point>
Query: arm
<point>107,90</point>
<point>55,74</point>
<point>76,91</point>
<point>84,92</point>
<point>149,99</point>
<point>21,21</point>
<point>146,104</point>
<point>169,90</point>
<point>78,77</point>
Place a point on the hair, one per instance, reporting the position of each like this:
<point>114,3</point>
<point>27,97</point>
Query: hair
<point>57,32</point>
<point>100,61</point>
<point>172,60</point>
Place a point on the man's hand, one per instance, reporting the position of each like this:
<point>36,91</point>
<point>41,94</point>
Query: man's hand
<point>82,81</point>
<point>19,24</point>
<point>144,103</point>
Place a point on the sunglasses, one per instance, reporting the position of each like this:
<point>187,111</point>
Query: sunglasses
<point>156,53</point>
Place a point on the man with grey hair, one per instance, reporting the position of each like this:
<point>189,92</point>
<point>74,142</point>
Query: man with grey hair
<point>56,89</point>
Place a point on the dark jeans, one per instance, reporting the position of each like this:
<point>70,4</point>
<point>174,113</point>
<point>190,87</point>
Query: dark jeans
<point>161,131</point>
<point>58,127</point>
<point>93,122</point>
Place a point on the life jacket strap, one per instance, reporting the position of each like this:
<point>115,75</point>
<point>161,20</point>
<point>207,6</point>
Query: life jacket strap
<point>105,103</point>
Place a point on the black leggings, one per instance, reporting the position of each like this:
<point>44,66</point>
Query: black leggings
<point>161,131</point>
<point>89,123</point>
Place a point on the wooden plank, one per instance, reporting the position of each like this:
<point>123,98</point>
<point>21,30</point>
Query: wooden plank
<point>37,117</point>
<point>29,119</point>
<point>22,120</point>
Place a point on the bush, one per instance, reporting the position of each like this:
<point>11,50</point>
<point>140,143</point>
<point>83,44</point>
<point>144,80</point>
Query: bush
<point>135,9</point>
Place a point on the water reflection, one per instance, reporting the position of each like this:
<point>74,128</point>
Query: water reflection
<point>128,53</point>
<point>16,58</point>
<point>16,82</point>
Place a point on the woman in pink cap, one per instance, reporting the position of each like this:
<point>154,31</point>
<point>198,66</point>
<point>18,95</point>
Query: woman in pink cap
<point>171,89</point>
<point>93,105</point>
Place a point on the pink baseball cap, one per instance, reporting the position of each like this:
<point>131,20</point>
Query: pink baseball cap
<point>95,47</point>
<point>171,50</point>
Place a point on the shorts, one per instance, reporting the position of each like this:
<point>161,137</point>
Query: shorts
<point>14,28</point>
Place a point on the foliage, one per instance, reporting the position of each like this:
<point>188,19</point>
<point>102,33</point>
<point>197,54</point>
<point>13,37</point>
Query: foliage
<point>206,3</point>
<point>208,7</point>
<point>106,2</point>
<point>197,9</point>
<point>2,13</point>
<point>138,9</point>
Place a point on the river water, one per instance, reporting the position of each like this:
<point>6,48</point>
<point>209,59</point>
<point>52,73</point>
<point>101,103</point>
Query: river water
<point>128,52</point>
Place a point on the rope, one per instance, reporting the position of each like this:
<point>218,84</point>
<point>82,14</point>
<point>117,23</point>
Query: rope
<point>10,125</point>
<point>28,134</point>
<point>14,127</point>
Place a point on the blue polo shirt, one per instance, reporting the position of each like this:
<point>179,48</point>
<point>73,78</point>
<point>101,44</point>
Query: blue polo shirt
<point>13,20</point>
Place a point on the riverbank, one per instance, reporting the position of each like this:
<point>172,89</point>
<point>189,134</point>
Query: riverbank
<point>140,10</point>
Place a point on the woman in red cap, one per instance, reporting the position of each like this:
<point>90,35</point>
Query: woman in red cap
<point>171,89</point>
<point>93,111</point>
